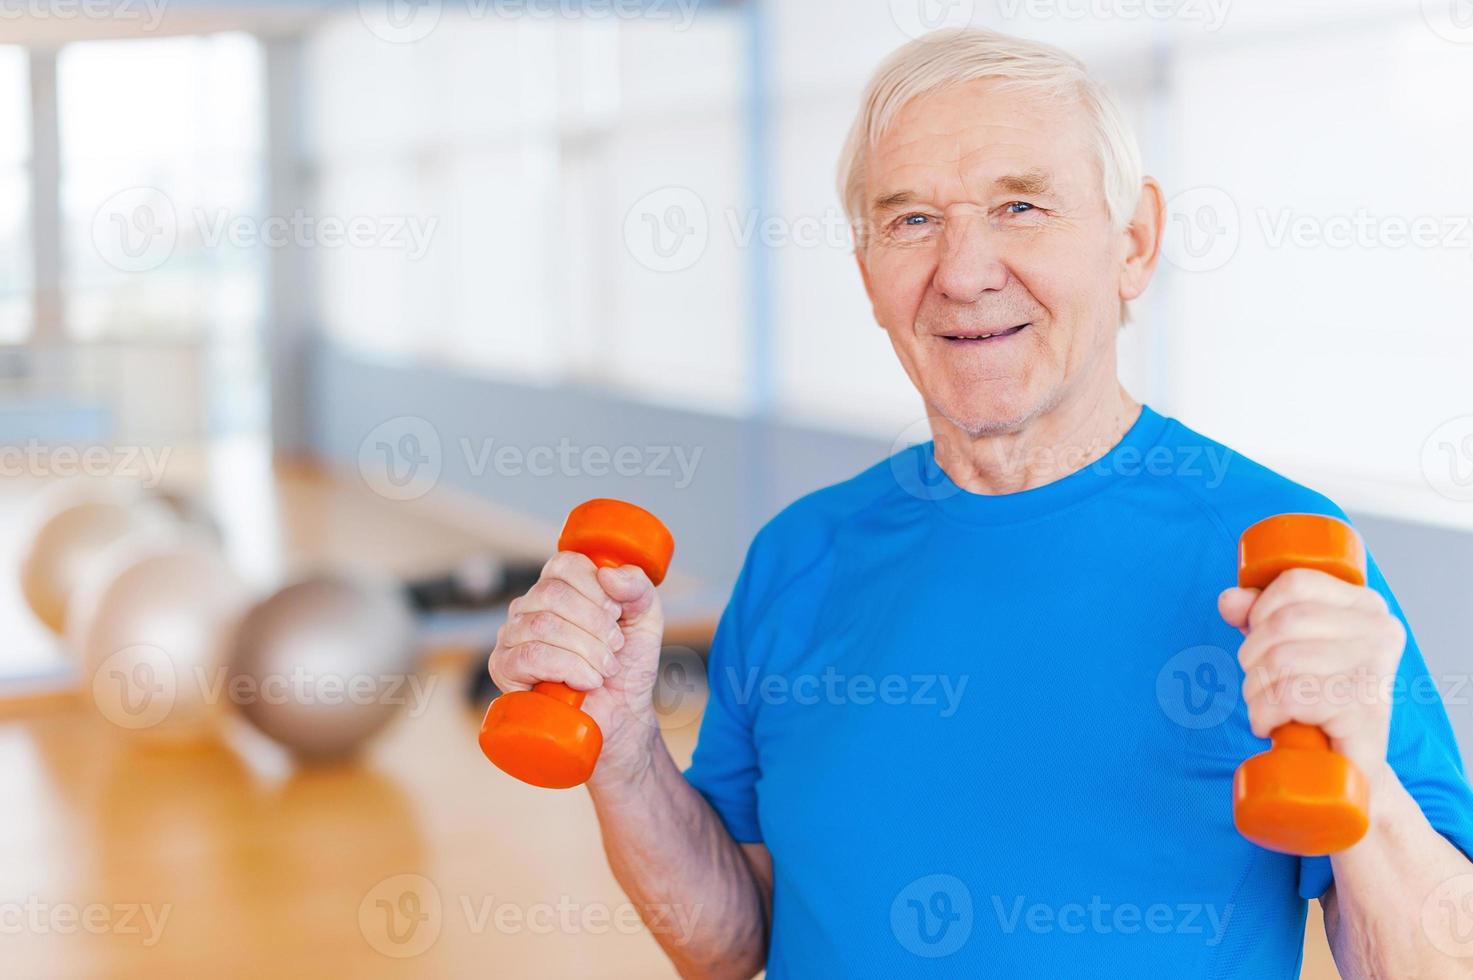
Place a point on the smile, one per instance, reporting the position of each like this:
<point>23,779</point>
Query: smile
<point>974,338</point>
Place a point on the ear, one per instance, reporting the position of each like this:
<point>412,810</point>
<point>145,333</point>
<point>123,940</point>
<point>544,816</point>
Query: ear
<point>1143,240</point>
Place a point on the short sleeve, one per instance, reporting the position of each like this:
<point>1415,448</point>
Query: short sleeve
<point>724,767</point>
<point>1422,751</point>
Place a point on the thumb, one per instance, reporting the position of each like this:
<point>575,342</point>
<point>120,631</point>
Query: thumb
<point>1235,604</point>
<point>631,588</point>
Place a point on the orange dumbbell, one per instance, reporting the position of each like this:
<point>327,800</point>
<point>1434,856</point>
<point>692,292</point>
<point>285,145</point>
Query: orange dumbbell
<point>542,736</point>
<point>1300,797</point>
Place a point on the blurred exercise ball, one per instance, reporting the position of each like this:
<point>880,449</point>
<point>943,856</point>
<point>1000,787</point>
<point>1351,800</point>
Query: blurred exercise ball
<point>109,561</point>
<point>70,538</point>
<point>157,641</point>
<point>323,664</point>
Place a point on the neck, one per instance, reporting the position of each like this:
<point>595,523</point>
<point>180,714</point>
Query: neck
<point>1045,448</point>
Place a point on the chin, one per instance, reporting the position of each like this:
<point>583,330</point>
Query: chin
<point>991,416</point>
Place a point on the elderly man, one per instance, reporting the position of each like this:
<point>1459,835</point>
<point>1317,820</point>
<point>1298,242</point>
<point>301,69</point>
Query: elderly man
<point>972,711</point>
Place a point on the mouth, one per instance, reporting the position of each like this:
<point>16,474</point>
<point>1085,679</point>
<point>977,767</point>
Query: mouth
<point>966,339</point>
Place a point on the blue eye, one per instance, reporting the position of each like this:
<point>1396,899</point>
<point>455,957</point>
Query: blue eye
<point>1017,207</point>
<point>914,219</point>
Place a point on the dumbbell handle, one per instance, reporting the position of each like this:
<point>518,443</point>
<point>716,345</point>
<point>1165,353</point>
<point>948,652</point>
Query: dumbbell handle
<point>557,690</point>
<point>628,535</point>
<point>1301,541</point>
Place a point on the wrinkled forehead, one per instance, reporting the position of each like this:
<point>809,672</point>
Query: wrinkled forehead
<point>958,142</point>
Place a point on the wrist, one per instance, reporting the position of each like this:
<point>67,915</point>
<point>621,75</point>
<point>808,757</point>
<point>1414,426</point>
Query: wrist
<point>626,766</point>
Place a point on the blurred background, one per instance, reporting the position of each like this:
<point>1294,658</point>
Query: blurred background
<point>319,314</point>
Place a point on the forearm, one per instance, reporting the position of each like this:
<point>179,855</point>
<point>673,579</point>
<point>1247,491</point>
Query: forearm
<point>1382,916</point>
<point>689,879</point>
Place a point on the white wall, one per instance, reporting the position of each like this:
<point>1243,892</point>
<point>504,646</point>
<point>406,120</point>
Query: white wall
<point>552,155</point>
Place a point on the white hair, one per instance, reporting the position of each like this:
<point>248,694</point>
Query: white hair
<point>954,56</point>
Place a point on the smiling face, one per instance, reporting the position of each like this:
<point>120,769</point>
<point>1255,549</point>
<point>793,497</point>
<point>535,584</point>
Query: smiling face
<point>991,260</point>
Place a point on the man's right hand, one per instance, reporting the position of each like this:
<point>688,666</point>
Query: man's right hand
<point>596,630</point>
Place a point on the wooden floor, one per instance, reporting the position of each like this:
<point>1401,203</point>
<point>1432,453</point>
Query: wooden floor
<point>223,859</point>
<point>421,861</point>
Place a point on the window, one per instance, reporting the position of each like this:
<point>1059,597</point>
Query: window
<point>15,197</point>
<point>527,143</point>
<point>161,188</point>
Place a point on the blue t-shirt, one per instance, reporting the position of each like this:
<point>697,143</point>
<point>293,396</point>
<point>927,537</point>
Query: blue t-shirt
<point>996,735</point>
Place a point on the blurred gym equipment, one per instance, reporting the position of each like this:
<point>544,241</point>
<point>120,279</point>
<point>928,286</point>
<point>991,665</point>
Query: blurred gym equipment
<point>154,644</point>
<point>324,663</point>
<point>479,582</point>
<point>75,528</point>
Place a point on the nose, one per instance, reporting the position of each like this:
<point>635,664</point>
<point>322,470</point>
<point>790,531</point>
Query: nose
<point>971,260</point>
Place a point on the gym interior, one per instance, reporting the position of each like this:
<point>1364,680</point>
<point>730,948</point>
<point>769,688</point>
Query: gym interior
<point>318,318</point>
